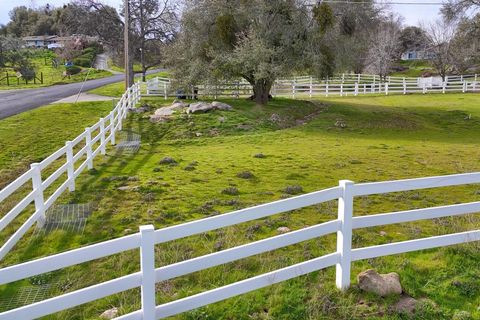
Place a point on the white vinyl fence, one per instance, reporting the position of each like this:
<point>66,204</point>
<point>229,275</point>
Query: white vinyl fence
<point>341,85</point>
<point>342,258</point>
<point>92,142</point>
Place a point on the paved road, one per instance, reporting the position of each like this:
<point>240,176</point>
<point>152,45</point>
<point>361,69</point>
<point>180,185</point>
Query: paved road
<point>17,101</point>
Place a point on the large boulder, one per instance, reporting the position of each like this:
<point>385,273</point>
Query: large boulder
<point>200,107</point>
<point>380,284</point>
<point>221,106</point>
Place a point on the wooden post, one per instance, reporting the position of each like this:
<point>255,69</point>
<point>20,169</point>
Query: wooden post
<point>404,86</point>
<point>293,89</point>
<point>386,88</point>
<point>341,89</point>
<point>444,85</point>
<point>326,89</point>
<point>165,95</point>
<point>344,235</point>
<point>88,143</point>
<point>356,89</point>
<point>8,80</point>
<point>70,166</point>
<point>38,190</point>
<point>147,267</point>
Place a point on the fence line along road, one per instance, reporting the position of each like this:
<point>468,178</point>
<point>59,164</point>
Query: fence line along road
<point>146,239</point>
<point>340,85</point>
<point>88,145</point>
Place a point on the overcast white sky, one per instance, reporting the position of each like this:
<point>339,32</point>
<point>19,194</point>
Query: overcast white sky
<point>413,14</point>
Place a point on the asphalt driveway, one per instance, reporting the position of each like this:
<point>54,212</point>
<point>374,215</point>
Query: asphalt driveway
<point>17,101</point>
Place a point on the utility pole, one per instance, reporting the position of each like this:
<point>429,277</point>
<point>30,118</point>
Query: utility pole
<point>126,44</point>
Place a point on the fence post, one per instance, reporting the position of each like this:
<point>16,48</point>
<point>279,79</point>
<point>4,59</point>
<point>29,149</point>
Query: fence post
<point>356,88</point>
<point>88,143</point>
<point>112,128</point>
<point>102,136</point>
<point>165,95</point>
<point>293,89</point>
<point>344,235</point>
<point>386,88</point>
<point>341,89</point>
<point>326,89</point>
<point>70,166</point>
<point>311,83</point>
<point>404,86</point>
<point>37,187</point>
<point>147,267</point>
<point>424,88</point>
<point>444,85</point>
<point>464,88</point>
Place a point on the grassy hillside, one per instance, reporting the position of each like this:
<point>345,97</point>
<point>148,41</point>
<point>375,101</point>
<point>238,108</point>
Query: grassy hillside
<point>303,150</point>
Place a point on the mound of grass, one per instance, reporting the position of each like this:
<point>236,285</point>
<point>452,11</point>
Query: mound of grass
<point>386,138</point>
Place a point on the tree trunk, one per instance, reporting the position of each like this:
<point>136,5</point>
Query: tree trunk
<point>261,91</point>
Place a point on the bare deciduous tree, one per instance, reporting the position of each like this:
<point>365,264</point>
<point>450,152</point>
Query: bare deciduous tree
<point>384,47</point>
<point>440,35</point>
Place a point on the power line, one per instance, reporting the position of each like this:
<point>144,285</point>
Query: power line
<point>386,3</point>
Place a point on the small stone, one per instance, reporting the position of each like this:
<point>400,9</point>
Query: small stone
<point>127,188</point>
<point>221,119</point>
<point>380,284</point>
<point>132,178</point>
<point>110,313</point>
<point>168,160</point>
<point>283,230</point>
<point>340,124</point>
<point>259,156</point>
<point>383,233</point>
<point>198,134</point>
<point>127,230</point>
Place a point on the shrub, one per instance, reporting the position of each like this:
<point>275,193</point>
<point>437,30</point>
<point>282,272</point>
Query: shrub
<point>83,62</point>
<point>73,70</point>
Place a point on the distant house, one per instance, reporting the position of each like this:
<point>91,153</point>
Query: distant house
<point>417,54</point>
<point>52,42</point>
<point>38,41</point>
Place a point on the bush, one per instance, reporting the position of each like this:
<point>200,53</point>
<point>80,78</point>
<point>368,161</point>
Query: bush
<point>83,62</point>
<point>73,70</point>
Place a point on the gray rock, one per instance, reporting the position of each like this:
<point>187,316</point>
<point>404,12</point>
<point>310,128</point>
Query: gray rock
<point>128,188</point>
<point>110,313</point>
<point>380,284</point>
<point>283,230</point>
<point>221,106</point>
<point>406,305</point>
<point>199,107</point>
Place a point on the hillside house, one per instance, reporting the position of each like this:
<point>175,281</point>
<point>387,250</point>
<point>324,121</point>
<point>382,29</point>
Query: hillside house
<point>52,42</point>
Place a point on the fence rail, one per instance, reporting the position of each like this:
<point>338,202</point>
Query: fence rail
<point>307,86</point>
<point>92,142</point>
<point>146,239</point>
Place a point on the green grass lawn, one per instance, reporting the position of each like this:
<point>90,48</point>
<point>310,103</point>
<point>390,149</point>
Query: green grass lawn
<point>385,138</point>
<point>415,69</point>
<point>51,75</point>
